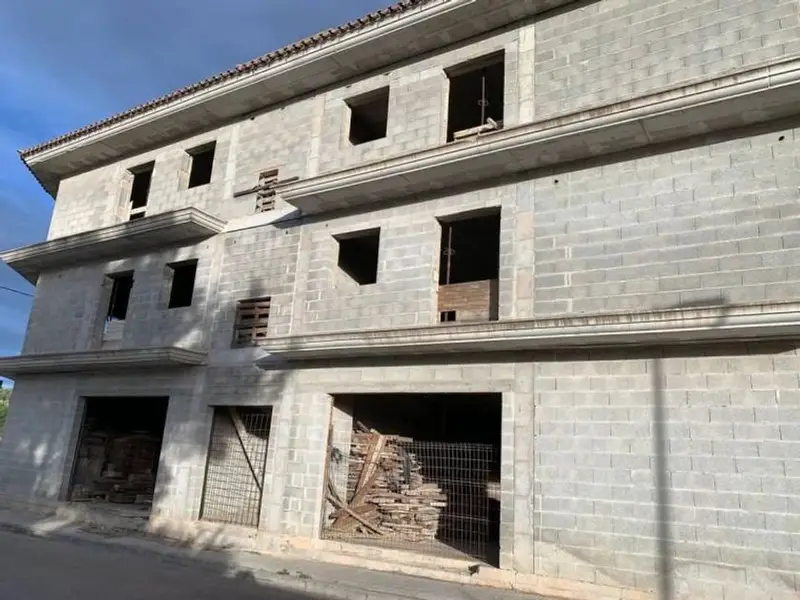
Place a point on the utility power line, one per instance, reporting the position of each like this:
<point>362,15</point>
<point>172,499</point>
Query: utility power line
<point>13,291</point>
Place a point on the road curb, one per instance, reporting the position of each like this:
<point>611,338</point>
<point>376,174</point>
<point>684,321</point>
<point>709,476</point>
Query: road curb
<point>284,581</point>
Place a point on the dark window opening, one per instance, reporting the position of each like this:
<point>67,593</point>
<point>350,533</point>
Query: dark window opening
<point>476,96</point>
<point>118,451</point>
<point>358,255</point>
<point>183,276</point>
<point>422,471</point>
<point>447,316</point>
<point>251,326</point>
<point>470,249</point>
<point>140,187</point>
<point>369,116</point>
<point>138,215</point>
<point>121,286</point>
<point>202,164</point>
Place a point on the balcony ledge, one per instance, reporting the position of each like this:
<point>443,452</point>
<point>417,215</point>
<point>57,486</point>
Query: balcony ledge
<point>744,98</point>
<point>100,360</point>
<point>115,241</point>
<point>659,327</point>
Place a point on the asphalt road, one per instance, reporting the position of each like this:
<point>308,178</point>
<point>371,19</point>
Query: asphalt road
<point>34,568</point>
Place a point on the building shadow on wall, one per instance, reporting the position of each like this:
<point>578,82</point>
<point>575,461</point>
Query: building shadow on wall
<point>210,557</point>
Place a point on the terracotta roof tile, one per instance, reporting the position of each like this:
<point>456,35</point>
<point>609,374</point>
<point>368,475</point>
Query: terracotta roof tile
<point>315,40</point>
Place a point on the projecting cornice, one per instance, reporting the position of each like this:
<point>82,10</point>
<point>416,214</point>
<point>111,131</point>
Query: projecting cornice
<point>180,226</point>
<point>737,100</point>
<point>658,327</point>
<point>100,360</point>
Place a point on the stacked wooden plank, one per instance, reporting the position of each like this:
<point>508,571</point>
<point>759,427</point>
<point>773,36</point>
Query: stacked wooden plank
<point>387,493</point>
<point>116,469</point>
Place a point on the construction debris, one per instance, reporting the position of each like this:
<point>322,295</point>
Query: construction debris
<point>387,493</point>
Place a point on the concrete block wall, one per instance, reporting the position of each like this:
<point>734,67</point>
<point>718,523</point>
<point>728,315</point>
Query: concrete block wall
<point>38,446</point>
<point>98,198</point>
<point>253,263</point>
<point>732,468</point>
<point>713,221</point>
<point>38,439</point>
<point>70,306</point>
<point>605,52</point>
<point>405,293</point>
<point>418,98</point>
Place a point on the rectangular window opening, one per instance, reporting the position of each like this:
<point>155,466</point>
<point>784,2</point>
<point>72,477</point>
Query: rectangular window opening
<point>469,267</point>
<point>369,116</point>
<point>476,96</point>
<point>140,189</point>
<point>202,164</point>
<point>265,197</point>
<point>358,255</point>
<point>121,286</point>
<point>182,288</point>
<point>252,321</point>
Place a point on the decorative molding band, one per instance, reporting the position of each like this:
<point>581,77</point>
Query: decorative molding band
<point>737,100</point>
<point>115,241</point>
<point>658,327</point>
<point>100,360</point>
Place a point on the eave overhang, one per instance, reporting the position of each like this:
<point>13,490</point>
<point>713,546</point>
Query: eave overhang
<point>745,98</point>
<point>428,28</point>
<point>100,360</point>
<point>676,326</point>
<point>180,226</point>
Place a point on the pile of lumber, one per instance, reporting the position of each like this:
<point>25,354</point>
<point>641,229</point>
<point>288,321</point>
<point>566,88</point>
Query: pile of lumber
<point>387,494</point>
<point>116,469</point>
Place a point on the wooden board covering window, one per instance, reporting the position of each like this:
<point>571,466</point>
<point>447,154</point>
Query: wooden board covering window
<point>252,320</point>
<point>265,198</point>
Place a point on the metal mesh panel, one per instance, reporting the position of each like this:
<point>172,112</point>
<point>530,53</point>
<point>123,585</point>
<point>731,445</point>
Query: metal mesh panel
<point>237,458</point>
<point>431,497</point>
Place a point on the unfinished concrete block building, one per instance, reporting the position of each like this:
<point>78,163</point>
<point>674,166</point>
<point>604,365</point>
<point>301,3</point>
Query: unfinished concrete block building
<point>506,282</point>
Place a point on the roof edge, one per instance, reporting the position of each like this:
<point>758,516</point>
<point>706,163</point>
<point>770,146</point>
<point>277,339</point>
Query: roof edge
<point>317,40</point>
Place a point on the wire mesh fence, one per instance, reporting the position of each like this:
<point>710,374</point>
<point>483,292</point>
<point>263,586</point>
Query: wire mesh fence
<point>237,458</point>
<point>431,497</point>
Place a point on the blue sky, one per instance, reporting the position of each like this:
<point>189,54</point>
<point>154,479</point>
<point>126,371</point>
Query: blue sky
<point>65,64</point>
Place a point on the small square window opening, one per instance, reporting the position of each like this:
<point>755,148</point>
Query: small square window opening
<point>369,116</point>
<point>358,255</point>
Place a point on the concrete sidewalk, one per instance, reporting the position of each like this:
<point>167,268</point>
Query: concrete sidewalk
<point>315,578</point>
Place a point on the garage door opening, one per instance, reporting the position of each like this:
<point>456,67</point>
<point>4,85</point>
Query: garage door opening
<point>118,450</point>
<point>416,472</point>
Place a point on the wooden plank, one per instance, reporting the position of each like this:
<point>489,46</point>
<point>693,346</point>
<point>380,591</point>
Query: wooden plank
<point>240,432</point>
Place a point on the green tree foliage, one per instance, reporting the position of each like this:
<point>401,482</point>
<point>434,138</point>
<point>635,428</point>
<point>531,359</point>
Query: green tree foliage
<point>5,398</point>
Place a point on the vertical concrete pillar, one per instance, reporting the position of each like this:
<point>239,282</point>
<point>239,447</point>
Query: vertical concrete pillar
<point>517,468</point>
<point>341,432</point>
